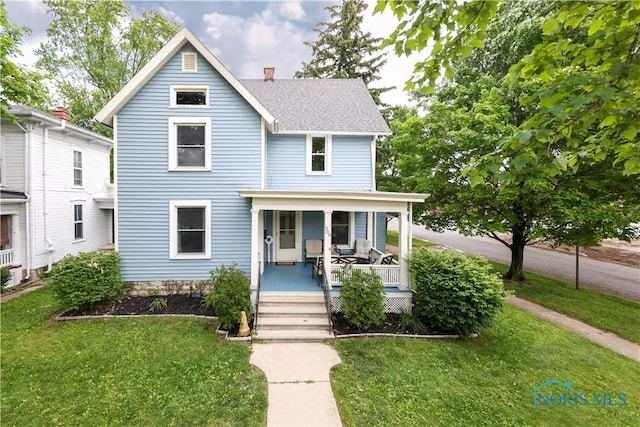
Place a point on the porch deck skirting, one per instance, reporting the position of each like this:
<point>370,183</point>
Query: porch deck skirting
<point>395,301</point>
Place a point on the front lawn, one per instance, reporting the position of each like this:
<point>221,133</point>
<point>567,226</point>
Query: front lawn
<point>392,239</point>
<point>483,381</point>
<point>130,372</point>
<point>600,310</point>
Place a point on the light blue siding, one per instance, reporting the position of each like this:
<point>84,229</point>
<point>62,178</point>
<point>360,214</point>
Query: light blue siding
<point>350,170</point>
<point>381,231</point>
<point>145,186</point>
<point>360,226</point>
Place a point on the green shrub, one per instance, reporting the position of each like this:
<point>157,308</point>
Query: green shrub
<point>85,279</point>
<point>158,304</point>
<point>362,297</point>
<point>455,293</point>
<point>5,276</point>
<point>231,294</point>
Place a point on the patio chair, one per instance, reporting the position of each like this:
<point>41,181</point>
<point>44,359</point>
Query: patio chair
<point>384,259</point>
<point>312,250</point>
<point>363,249</point>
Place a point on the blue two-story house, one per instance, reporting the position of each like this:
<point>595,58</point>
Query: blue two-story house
<point>212,170</point>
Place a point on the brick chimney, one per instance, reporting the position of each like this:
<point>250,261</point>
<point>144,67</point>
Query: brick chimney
<point>268,74</point>
<point>61,113</point>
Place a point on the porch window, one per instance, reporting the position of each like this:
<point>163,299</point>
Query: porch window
<point>5,232</point>
<point>78,229</point>
<point>340,230</point>
<point>318,154</point>
<point>77,168</point>
<point>189,143</point>
<point>189,96</point>
<point>190,223</point>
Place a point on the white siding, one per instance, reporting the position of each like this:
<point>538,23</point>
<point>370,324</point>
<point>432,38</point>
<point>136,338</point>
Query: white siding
<point>12,158</point>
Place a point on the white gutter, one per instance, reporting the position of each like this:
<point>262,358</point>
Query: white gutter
<point>45,214</point>
<point>28,187</point>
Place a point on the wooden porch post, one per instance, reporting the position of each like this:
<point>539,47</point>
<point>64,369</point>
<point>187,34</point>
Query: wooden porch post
<point>326,250</point>
<point>403,248</point>
<point>256,237</point>
<point>370,227</point>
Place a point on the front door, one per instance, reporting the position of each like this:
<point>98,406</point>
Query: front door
<point>287,236</point>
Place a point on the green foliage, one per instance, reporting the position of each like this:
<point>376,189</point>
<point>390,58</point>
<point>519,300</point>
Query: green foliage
<point>5,276</point>
<point>122,372</point>
<point>231,294</point>
<point>455,293</point>
<point>411,324</point>
<point>19,85</point>
<point>94,48</point>
<point>344,51</point>
<point>362,296</point>
<point>87,278</point>
<point>158,304</point>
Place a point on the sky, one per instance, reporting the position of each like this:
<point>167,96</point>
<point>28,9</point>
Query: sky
<point>245,35</point>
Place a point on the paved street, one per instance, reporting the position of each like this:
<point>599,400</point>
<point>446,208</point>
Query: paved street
<point>607,277</point>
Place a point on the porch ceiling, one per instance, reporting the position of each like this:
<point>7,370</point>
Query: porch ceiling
<point>362,201</point>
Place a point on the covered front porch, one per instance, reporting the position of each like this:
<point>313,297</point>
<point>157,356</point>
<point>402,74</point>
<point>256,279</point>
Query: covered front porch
<point>281,220</point>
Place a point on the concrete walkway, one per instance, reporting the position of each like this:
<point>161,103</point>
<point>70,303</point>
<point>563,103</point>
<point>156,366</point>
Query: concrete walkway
<point>298,383</point>
<point>605,339</point>
<point>12,295</point>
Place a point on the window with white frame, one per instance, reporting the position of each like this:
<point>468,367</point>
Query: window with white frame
<point>341,228</point>
<point>190,229</point>
<point>189,62</point>
<point>78,225</point>
<point>318,154</point>
<point>189,96</point>
<point>77,168</point>
<point>189,143</point>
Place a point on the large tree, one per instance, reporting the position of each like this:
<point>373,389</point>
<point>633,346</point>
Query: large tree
<point>344,51</point>
<point>514,200</point>
<point>588,62</point>
<point>94,48</point>
<point>17,84</point>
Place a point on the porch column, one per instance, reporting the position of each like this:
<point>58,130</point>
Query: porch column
<point>261,227</point>
<point>326,249</point>
<point>256,237</point>
<point>403,248</point>
<point>370,227</point>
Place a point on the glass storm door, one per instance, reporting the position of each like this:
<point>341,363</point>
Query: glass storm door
<point>287,236</point>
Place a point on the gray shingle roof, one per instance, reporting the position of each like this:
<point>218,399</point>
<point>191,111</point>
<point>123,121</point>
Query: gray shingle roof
<point>319,105</point>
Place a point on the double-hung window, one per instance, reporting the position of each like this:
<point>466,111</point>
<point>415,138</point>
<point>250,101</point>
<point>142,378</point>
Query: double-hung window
<point>190,229</point>
<point>341,228</point>
<point>78,228</point>
<point>318,154</point>
<point>189,143</point>
<point>77,168</point>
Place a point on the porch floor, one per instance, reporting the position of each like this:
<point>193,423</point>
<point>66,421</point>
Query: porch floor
<point>288,278</point>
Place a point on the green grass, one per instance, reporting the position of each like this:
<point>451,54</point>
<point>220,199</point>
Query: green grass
<point>600,310</point>
<point>133,372</point>
<point>392,239</point>
<point>484,381</point>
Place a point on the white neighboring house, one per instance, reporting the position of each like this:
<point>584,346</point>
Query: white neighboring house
<point>56,198</point>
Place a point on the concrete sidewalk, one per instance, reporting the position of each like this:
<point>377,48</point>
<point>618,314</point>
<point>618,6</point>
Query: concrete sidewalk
<point>605,339</point>
<point>32,287</point>
<point>298,383</point>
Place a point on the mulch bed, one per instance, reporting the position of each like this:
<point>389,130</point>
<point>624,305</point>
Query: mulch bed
<point>140,305</point>
<point>391,325</point>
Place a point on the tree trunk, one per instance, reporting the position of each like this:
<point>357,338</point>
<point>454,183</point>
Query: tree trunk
<point>518,241</point>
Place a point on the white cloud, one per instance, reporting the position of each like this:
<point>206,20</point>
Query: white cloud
<point>170,15</point>
<point>248,44</point>
<point>292,10</point>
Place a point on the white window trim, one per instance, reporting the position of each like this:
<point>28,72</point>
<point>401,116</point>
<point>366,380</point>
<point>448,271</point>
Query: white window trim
<point>173,89</point>
<point>352,227</point>
<point>76,239</point>
<point>73,167</point>
<point>173,143</point>
<point>173,228</point>
<point>327,154</point>
<point>195,70</point>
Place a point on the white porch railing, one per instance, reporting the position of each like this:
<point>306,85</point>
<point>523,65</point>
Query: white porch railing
<point>6,257</point>
<point>390,274</point>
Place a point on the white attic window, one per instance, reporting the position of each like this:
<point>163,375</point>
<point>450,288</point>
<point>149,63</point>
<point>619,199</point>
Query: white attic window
<point>189,62</point>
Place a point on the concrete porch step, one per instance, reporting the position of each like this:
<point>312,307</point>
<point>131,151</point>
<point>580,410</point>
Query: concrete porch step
<point>276,323</point>
<point>293,335</point>
<point>292,310</point>
<point>293,299</point>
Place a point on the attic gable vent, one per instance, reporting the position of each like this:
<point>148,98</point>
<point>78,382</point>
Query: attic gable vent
<point>189,62</point>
